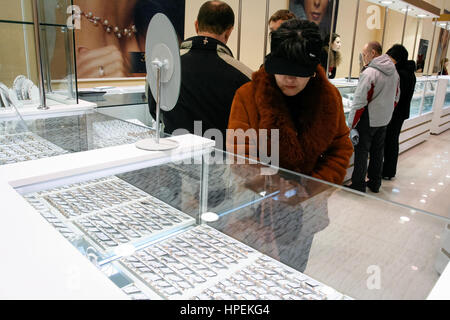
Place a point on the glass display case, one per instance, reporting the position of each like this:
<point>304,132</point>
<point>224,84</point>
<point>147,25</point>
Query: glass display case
<point>416,102</point>
<point>423,98</point>
<point>421,104</point>
<point>18,143</point>
<point>211,228</point>
<point>20,61</point>
<point>28,139</point>
<point>430,93</point>
<point>441,114</point>
<point>447,96</point>
<point>347,91</point>
<point>347,94</point>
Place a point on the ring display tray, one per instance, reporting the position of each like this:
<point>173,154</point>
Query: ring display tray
<point>24,146</point>
<point>205,264</point>
<point>152,250</point>
<point>108,212</point>
<point>118,132</point>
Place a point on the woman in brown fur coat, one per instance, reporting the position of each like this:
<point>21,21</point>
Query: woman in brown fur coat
<point>291,93</point>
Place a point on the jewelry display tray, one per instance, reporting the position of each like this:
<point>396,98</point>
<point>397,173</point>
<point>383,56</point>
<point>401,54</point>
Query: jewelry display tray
<point>26,146</point>
<point>171,257</point>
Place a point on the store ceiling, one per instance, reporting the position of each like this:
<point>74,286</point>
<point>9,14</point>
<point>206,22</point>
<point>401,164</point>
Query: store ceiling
<point>415,8</point>
<point>443,21</point>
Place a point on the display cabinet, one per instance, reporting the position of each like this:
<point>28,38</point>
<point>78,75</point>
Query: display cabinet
<point>18,143</point>
<point>424,95</point>
<point>347,94</point>
<point>416,102</point>
<point>447,96</point>
<point>347,91</point>
<point>24,55</point>
<point>23,138</point>
<point>209,226</point>
<point>441,113</point>
<point>421,104</point>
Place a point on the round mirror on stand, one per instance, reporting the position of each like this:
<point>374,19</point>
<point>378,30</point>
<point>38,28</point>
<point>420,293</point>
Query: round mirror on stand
<point>162,56</point>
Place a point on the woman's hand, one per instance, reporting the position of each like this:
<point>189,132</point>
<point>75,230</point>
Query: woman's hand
<point>100,63</point>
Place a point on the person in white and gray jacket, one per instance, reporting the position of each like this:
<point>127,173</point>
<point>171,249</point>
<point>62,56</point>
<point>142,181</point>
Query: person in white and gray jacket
<point>376,96</point>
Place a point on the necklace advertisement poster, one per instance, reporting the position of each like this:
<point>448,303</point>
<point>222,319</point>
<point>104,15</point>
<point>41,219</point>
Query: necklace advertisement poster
<point>110,40</point>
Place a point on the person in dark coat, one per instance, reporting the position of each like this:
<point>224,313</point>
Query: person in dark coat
<point>405,69</point>
<point>210,76</point>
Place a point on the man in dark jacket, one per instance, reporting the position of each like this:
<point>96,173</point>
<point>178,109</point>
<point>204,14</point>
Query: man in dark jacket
<point>210,76</point>
<point>405,69</point>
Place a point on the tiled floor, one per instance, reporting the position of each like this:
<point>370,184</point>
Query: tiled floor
<point>423,177</point>
<point>367,238</point>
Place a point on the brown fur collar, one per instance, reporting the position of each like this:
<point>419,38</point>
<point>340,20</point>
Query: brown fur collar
<point>299,151</point>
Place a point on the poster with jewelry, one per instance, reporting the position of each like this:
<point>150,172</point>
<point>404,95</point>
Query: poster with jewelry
<point>110,35</point>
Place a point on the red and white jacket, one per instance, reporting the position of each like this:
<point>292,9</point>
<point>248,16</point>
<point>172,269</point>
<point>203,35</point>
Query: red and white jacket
<point>378,90</point>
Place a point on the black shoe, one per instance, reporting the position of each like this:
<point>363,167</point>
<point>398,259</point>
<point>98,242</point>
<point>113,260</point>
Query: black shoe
<point>374,189</point>
<point>388,178</point>
<point>354,188</point>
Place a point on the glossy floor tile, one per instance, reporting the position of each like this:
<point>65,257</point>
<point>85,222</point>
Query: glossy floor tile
<point>423,177</point>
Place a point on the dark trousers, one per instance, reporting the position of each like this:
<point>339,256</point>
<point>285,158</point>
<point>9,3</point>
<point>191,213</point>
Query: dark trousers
<point>391,146</point>
<point>371,142</point>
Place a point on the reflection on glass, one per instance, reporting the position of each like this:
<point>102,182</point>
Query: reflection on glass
<point>334,242</point>
<point>284,236</point>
